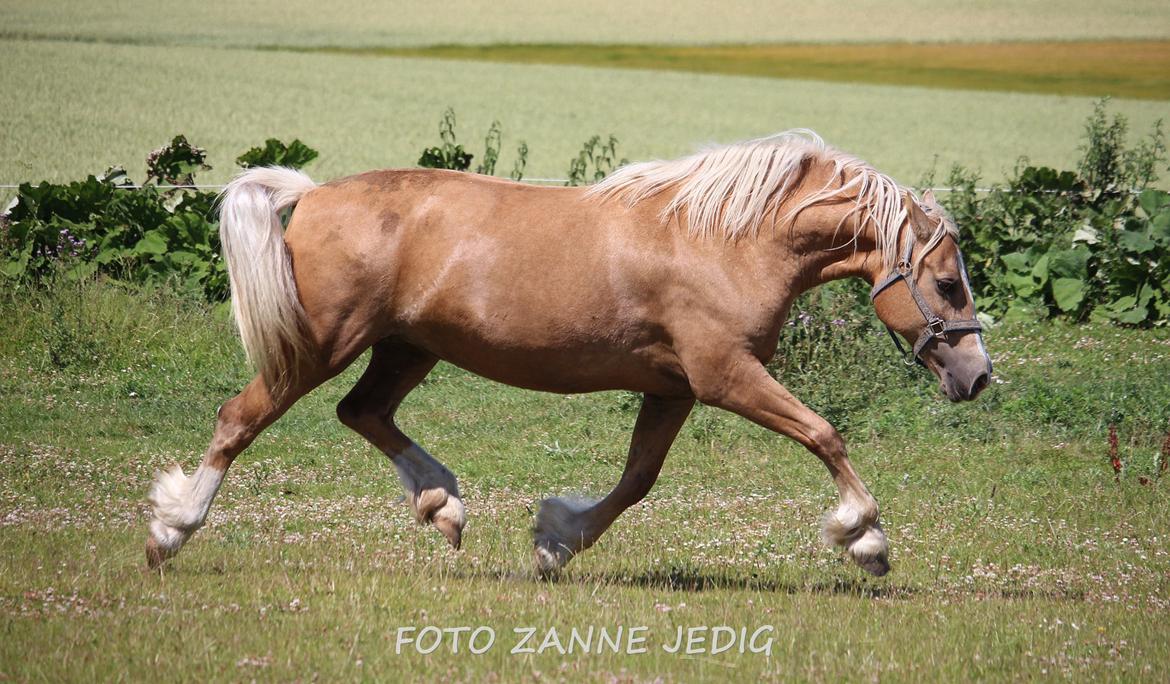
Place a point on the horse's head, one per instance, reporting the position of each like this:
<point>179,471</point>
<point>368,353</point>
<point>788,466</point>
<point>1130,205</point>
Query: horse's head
<point>927,300</point>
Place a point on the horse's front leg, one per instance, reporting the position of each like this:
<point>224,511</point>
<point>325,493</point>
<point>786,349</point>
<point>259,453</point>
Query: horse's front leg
<point>565,527</point>
<point>745,387</point>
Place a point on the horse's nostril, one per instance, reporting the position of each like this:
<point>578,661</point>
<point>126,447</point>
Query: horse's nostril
<point>978,385</point>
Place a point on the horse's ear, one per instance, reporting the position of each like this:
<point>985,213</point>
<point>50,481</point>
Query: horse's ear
<point>931,204</point>
<point>923,225</point>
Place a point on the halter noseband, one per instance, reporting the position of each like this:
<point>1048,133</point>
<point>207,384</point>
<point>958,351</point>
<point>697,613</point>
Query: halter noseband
<point>936,326</point>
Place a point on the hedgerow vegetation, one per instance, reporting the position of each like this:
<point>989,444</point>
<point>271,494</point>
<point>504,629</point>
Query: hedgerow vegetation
<point>1086,245</point>
<point>1093,242</point>
<point>162,231</point>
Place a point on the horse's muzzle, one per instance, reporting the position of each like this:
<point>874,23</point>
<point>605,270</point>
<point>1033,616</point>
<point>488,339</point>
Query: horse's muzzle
<point>965,386</point>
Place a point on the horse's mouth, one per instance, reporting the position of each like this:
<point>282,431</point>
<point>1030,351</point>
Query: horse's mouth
<point>964,391</point>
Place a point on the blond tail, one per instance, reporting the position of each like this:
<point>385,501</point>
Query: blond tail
<point>264,294</point>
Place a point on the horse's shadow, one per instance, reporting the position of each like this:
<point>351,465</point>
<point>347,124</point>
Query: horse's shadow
<point>696,580</point>
<point>693,580</point>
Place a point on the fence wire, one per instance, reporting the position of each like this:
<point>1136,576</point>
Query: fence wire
<point>565,181</point>
<point>538,181</point>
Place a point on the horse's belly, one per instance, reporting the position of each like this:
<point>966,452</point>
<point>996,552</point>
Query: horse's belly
<point>566,369</point>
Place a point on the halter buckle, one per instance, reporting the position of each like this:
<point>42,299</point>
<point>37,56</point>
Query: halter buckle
<point>903,268</point>
<point>937,327</point>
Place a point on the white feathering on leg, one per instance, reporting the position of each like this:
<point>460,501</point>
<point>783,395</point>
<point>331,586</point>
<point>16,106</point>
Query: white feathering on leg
<point>839,525</point>
<point>168,539</point>
<point>451,511</point>
<point>865,542</point>
<point>182,502</point>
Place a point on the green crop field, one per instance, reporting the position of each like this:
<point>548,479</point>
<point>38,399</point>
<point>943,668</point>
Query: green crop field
<point>1017,552</point>
<point>83,107</point>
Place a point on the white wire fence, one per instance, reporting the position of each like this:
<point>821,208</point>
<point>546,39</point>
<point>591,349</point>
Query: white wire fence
<point>221,186</point>
<point>536,181</point>
<point>562,181</point>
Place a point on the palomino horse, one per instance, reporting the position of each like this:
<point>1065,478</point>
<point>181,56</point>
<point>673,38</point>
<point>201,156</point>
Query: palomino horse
<point>669,278</point>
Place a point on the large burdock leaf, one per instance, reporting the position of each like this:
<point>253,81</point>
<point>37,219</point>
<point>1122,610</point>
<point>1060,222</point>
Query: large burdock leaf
<point>1134,316</point>
<point>151,243</point>
<point>1086,234</point>
<point>1040,270</point>
<point>1017,261</point>
<point>1069,263</point>
<point>275,153</point>
<point>1152,200</point>
<point>1068,293</point>
<point>1024,285</point>
<point>1135,242</point>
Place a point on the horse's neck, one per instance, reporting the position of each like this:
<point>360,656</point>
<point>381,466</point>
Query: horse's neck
<point>822,247</point>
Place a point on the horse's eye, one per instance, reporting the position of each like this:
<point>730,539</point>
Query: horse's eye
<point>945,285</point>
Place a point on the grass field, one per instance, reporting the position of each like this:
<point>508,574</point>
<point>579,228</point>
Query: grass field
<point>365,23</point>
<point>1015,553</point>
<point>82,107</point>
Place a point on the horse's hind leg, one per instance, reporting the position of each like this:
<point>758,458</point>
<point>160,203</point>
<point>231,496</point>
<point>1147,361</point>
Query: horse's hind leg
<point>395,369</point>
<point>180,503</point>
<point>565,527</point>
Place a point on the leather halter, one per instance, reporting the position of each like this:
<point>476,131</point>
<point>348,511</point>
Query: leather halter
<point>936,326</point>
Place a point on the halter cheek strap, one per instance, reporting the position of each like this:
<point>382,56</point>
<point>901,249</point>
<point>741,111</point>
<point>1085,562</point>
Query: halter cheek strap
<point>936,326</point>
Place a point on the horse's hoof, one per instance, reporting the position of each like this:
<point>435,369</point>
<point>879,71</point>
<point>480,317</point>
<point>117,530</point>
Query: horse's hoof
<point>875,566</point>
<point>558,534</point>
<point>163,542</point>
<point>444,511</point>
<point>155,555</point>
<point>451,529</point>
<point>549,563</point>
<point>871,551</point>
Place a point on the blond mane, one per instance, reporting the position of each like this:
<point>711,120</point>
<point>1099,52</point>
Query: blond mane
<point>732,191</point>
